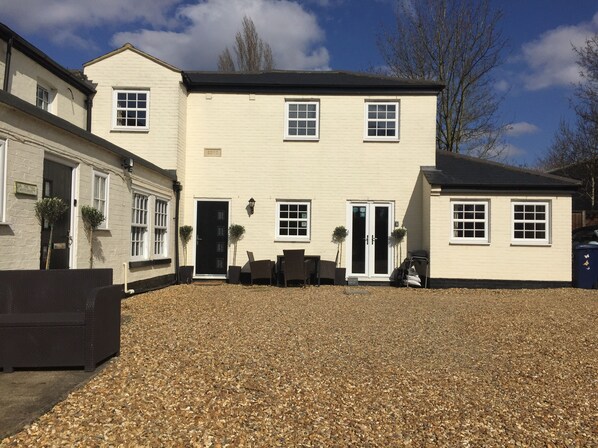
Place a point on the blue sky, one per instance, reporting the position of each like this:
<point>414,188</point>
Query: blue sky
<point>536,78</point>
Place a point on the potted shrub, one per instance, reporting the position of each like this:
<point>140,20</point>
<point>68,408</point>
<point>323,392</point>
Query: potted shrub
<point>339,235</point>
<point>235,233</point>
<point>186,271</point>
<point>92,218</point>
<point>49,211</point>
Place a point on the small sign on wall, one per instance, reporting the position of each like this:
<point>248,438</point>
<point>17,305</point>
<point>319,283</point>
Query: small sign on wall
<point>25,189</point>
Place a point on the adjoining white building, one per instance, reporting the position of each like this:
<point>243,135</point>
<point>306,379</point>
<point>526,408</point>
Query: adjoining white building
<point>317,150</point>
<point>46,150</point>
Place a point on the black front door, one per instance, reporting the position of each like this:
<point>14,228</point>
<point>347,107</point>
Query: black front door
<point>57,183</point>
<point>212,238</point>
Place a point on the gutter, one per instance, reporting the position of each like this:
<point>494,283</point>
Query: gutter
<point>7,63</point>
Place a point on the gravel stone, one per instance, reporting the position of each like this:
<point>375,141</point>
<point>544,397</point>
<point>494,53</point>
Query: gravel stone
<point>236,366</point>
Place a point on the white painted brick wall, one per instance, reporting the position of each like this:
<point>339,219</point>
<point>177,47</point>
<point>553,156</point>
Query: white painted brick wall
<point>161,144</point>
<point>501,260</point>
<point>28,141</point>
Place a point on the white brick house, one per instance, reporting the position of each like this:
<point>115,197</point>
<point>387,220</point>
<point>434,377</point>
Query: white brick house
<point>314,150</point>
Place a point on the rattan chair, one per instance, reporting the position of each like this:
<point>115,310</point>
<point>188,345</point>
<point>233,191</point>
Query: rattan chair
<point>327,270</point>
<point>260,269</point>
<point>295,268</point>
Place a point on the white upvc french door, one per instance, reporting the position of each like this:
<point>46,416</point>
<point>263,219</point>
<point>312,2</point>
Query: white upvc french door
<point>369,253</point>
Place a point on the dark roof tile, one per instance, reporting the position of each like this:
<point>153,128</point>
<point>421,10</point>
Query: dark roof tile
<point>456,171</point>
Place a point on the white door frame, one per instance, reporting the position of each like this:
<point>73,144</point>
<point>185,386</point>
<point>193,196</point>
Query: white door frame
<point>369,274</point>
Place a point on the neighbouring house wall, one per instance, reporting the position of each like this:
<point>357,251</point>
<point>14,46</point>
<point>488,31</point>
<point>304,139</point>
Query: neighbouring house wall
<point>500,259</point>
<point>163,142</point>
<point>256,162</point>
<point>68,102</point>
<point>29,141</point>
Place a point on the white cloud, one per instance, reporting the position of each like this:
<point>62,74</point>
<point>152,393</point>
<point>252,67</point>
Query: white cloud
<point>60,20</point>
<point>550,59</point>
<point>211,25</point>
<point>189,34</point>
<point>521,128</point>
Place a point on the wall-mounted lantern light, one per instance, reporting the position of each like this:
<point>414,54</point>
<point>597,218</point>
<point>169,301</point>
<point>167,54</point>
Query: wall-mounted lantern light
<point>128,164</point>
<point>251,206</point>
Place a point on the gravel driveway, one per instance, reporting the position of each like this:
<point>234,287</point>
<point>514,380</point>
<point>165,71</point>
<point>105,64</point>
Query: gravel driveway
<point>333,366</point>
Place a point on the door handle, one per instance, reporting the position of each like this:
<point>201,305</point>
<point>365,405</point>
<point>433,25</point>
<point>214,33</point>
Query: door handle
<point>69,239</point>
<point>198,239</point>
<point>367,240</point>
<point>373,239</point>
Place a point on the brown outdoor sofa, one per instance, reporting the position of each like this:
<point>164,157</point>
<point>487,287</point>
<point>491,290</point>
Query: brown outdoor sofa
<point>58,318</point>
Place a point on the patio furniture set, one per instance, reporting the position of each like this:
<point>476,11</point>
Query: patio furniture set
<point>295,267</point>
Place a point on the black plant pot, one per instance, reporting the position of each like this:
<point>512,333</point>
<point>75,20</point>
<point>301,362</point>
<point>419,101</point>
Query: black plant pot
<point>234,275</point>
<point>186,274</point>
<point>339,276</point>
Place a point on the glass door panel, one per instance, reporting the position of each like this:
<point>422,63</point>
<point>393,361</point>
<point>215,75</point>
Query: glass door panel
<point>358,239</point>
<point>381,234</point>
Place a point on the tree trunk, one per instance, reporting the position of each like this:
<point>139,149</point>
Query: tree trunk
<point>49,254</point>
<point>90,248</point>
<point>235,255</point>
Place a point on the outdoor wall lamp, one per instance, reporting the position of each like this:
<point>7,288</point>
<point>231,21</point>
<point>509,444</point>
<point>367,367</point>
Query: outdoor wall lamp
<point>251,206</point>
<point>128,164</point>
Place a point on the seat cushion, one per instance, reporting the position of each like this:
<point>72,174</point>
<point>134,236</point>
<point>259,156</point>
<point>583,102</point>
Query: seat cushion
<point>41,319</point>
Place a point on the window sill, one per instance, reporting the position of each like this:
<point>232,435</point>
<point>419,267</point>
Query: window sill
<point>469,243</point>
<point>301,139</point>
<point>531,244</point>
<point>146,263</point>
<point>140,130</point>
<point>292,240</point>
<point>381,140</point>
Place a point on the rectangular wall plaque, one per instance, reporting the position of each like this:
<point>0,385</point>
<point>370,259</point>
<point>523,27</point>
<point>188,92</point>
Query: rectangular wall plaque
<point>212,152</point>
<point>26,189</point>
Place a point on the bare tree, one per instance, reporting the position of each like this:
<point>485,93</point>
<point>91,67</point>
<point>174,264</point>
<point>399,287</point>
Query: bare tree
<point>574,150</point>
<point>252,53</point>
<point>459,43</point>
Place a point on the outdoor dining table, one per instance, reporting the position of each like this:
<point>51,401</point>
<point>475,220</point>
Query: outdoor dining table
<point>279,270</point>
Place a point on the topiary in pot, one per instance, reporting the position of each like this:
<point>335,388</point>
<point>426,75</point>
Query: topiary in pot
<point>235,233</point>
<point>50,210</point>
<point>185,232</point>
<point>339,235</point>
<point>92,218</point>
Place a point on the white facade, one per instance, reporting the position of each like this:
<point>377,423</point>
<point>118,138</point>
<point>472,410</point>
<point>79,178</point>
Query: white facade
<point>45,151</point>
<point>311,156</point>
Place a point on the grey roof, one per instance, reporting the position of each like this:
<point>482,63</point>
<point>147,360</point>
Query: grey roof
<point>459,172</point>
<point>44,60</point>
<point>36,112</point>
<point>305,81</point>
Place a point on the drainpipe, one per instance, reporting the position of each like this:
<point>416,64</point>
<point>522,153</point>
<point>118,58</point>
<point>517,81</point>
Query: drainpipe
<point>177,188</point>
<point>7,63</point>
<point>89,104</point>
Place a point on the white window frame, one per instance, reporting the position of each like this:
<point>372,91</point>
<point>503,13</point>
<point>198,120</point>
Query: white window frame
<point>547,223</point>
<point>3,178</point>
<point>280,237</point>
<point>163,228</point>
<point>288,119</point>
<point>51,95</point>
<point>116,108</point>
<point>486,220</point>
<point>367,121</point>
<point>106,198</point>
<point>136,223</point>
